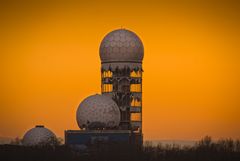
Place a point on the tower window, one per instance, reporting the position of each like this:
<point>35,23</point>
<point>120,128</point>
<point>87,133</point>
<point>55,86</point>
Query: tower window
<point>107,74</point>
<point>107,88</point>
<point>135,103</point>
<point>135,88</point>
<point>135,116</point>
<point>136,74</point>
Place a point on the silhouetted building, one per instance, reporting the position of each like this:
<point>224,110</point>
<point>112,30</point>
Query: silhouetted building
<point>116,115</point>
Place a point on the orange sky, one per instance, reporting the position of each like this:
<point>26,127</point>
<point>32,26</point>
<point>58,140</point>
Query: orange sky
<point>49,62</point>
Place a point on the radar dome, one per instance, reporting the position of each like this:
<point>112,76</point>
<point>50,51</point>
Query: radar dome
<point>98,112</point>
<point>38,136</point>
<point>121,46</point>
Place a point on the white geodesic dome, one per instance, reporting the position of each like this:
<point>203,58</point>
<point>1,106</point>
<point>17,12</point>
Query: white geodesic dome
<point>98,111</point>
<point>121,46</point>
<point>38,136</point>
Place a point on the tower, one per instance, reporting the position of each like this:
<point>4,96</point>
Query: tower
<point>116,115</point>
<point>121,53</point>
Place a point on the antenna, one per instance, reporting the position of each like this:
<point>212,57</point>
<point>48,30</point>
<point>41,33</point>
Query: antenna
<point>122,27</point>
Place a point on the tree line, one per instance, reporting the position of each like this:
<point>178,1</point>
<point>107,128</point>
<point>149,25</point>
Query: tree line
<point>204,150</point>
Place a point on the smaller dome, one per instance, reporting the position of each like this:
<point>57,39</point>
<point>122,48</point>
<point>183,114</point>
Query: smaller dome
<point>39,136</point>
<point>97,112</point>
<point>121,46</point>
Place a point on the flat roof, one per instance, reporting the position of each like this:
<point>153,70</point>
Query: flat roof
<point>98,131</point>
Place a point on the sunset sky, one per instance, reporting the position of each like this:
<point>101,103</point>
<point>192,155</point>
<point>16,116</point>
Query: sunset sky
<point>49,62</point>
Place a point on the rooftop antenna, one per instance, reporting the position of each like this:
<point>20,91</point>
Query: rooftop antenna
<point>122,28</point>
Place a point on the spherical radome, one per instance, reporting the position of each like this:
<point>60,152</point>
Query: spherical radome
<point>121,45</point>
<point>38,136</point>
<point>98,111</point>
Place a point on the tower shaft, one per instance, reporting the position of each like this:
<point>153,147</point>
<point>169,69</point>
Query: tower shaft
<point>124,85</point>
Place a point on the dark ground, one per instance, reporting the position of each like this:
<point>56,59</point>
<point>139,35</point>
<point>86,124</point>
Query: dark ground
<point>204,150</point>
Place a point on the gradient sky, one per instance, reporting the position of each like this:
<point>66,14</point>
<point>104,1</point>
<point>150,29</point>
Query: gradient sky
<point>49,62</point>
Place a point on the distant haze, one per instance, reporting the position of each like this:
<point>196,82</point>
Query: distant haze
<point>181,143</point>
<point>5,140</point>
